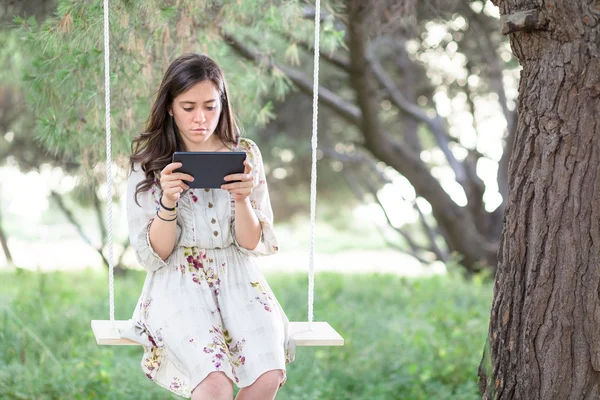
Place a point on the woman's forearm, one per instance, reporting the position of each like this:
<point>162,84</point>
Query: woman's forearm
<point>163,235</point>
<point>247,225</point>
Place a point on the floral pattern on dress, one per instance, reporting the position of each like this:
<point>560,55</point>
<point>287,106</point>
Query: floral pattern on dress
<point>213,280</point>
<point>151,362</point>
<point>263,298</point>
<point>197,264</point>
<point>221,347</point>
<point>178,386</point>
<point>195,259</point>
<point>144,308</point>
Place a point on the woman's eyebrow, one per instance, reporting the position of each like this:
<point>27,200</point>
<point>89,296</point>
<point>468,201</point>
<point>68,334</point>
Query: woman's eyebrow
<point>193,102</point>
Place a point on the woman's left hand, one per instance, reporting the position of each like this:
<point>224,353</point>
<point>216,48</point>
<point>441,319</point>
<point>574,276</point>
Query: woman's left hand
<point>242,189</point>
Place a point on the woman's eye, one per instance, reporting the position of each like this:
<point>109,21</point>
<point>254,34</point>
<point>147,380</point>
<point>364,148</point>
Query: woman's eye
<point>210,108</point>
<point>188,109</point>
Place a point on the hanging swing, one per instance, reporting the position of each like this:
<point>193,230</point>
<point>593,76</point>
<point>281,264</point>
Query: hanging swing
<point>304,333</point>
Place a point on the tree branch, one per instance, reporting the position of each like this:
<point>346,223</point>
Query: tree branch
<point>340,62</point>
<point>487,47</point>
<point>340,106</point>
<point>436,125</point>
<point>527,21</point>
<point>442,255</point>
<point>4,241</point>
<point>99,214</point>
<point>309,13</point>
<point>414,247</point>
<point>359,159</point>
<point>119,266</point>
<point>71,218</point>
<point>463,235</point>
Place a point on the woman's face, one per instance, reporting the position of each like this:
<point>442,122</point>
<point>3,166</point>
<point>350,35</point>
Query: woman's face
<point>196,113</point>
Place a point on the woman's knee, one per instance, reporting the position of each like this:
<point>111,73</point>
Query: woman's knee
<point>270,380</point>
<point>216,385</point>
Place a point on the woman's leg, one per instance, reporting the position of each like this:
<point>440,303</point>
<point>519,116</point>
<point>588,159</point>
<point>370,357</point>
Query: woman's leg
<point>216,386</point>
<point>264,388</point>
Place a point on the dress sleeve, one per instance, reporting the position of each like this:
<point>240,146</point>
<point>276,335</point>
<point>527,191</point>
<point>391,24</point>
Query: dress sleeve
<point>139,218</point>
<point>261,203</point>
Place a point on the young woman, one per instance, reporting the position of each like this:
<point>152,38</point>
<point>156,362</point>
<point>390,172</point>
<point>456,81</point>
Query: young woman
<point>206,316</point>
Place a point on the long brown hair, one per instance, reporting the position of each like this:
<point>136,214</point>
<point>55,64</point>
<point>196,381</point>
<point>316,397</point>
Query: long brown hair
<point>154,148</point>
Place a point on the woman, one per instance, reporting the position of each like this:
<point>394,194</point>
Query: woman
<point>206,315</point>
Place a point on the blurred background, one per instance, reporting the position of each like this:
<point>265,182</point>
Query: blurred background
<point>416,120</point>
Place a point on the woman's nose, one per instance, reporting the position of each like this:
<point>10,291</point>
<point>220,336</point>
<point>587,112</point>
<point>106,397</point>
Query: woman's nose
<point>199,117</point>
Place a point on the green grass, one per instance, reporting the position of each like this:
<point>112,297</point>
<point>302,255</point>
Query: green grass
<point>405,338</point>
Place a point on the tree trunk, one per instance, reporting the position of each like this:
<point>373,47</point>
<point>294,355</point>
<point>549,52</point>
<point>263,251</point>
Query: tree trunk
<point>462,234</point>
<point>545,319</point>
<point>4,242</point>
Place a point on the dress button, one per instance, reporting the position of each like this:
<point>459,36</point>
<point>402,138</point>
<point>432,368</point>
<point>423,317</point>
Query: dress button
<point>213,221</point>
<point>210,205</point>
<point>216,233</point>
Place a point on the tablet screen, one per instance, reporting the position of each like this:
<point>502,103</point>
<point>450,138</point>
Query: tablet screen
<point>210,168</point>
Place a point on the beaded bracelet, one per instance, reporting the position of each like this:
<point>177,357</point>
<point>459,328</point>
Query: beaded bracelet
<point>166,220</point>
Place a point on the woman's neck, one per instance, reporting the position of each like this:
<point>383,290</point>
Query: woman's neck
<point>214,143</point>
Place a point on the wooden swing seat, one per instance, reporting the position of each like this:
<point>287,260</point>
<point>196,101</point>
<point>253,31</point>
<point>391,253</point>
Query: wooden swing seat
<point>322,334</point>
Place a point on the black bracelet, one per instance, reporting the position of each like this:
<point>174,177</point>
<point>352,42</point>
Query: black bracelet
<point>166,220</point>
<point>166,208</point>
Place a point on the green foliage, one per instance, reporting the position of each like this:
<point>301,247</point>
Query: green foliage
<point>405,339</point>
<point>65,77</point>
<point>60,63</point>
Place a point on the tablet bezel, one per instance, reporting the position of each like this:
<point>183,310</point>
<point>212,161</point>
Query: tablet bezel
<point>209,167</point>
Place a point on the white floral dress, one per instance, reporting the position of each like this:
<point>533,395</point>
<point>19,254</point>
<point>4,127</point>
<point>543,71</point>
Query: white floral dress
<point>207,307</point>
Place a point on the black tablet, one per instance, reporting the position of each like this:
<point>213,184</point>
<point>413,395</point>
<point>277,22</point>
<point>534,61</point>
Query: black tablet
<point>210,168</point>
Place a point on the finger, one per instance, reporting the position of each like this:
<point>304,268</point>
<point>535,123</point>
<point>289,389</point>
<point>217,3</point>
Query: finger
<point>179,176</point>
<point>247,167</point>
<point>176,178</point>
<point>172,190</point>
<point>170,184</point>
<point>175,184</point>
<point>239,177</point>
<point>240,191</point>
<point>171,167</point>
<point>237,185</point>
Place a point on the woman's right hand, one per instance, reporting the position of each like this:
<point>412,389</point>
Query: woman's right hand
<point>172,184</point>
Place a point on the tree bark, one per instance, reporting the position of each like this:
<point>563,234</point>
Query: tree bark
<point>545,318</point>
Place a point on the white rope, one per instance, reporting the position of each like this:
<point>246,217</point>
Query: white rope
<point>313,172</point>
<point>109,182</point>
<point>313,180</point>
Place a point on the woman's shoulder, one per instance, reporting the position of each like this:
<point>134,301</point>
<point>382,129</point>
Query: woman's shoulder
<point>137,174</point>
<point>247,144</point>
